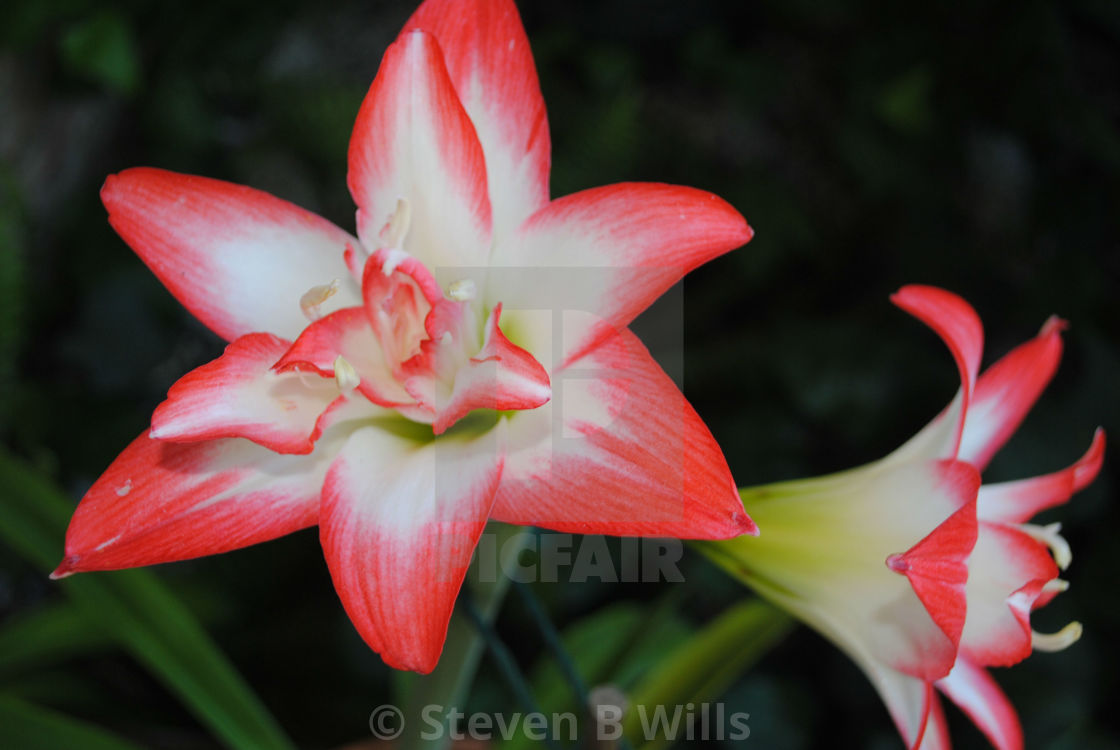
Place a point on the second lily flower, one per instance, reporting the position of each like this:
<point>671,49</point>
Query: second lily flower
<point>920,574</point>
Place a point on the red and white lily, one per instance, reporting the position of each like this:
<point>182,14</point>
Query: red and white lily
<point>401,387</point>
<point>920,574</point>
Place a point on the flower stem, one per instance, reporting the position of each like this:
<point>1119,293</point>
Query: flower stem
<point>506,664</point>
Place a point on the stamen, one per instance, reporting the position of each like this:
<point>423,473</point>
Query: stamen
<point>396,228</point>
<point>345,375</point>
<point>462,290</point>
<point>316,296</point>
<point>1055,586</point>
<point>1059,641</point>
<point>1049,536</point>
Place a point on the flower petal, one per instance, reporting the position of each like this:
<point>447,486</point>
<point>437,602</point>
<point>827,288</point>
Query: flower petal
<point>398,524</point>
<point>1007,572</point>
<point>936,736</point>
<point>161,501</point>
<point>1007,390</point>
<point>937,566</point>
<point>978,695</point>
<point>1018,501</point>
<point>501,376</point>
<point>610,251</point>
<point>239,395</point>
<point>618,451</point>
<point>911,702</point>
<point>346,333</point>
<point>239,259</point>
<point>952,319</point>
<point>413,140</point>
<point>959,327</point>
<point>832,541</point>
<point>489,61</point>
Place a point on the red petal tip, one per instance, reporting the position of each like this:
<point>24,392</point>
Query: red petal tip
<point>64,569</point>
<point>897,563</point>
<point>1089,466</point>
<point>1053,325</point>
<point>745,524</point>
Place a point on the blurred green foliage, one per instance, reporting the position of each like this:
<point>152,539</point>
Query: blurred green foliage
<point>870,144</point>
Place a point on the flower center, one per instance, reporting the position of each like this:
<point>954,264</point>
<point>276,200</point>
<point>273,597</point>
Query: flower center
<point>434,357</point>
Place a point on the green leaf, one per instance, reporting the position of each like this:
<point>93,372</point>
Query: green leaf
<point>704,666</point>
<point>30,727</point>
<point>49,634</point>
<point>140,614</point>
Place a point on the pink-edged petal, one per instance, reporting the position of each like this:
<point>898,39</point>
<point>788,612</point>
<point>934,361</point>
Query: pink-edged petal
<point>413,140</point>
<point>346,333</point>
<point>239,259</point>
<point>501,376</point>
<point>161,501</point>
<point>909,700</point>
<point>240,395</point>
<point>1007,390</point>
<point>958,325</point>
<point>911,703</point>
<point>618,450</point>
<point>1018,501</point>
<point>490,63</point>
<point>610,251</point>
<point>399,522</point>
<point>978,695</point>
<point>399,293</point>
<point>937,566</point>
<point>1007,575</point>
<point>936,736</point>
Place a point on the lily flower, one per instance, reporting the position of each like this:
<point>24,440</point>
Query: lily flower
<point>402,386</point>
<point>922,575</point>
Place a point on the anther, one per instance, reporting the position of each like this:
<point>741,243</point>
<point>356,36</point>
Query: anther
<point>396,228</point>
<point>1049,536</point>
<point>1059,641</point>
<point>316,296</point>
<point>345,375</point>
<point>462,290</point>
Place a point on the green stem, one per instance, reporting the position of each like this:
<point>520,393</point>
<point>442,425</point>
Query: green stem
<point>507,665</point>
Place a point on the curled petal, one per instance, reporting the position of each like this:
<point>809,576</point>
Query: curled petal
<point>239,259</point>
<point>501,376</point>
<point>1018,501</point>
<point>399,522</point>
<point>399,294</point>
<point>239,395</point>
<point>959,327</point>
<point>1008,574</point>
<point>345,333</point>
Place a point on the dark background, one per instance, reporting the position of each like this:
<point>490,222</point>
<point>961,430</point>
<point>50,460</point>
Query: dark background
<point>870,144</point>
